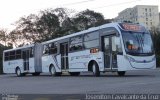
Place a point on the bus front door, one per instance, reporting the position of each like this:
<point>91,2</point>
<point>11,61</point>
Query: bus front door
<point>26,60</point>
<point>110,56</point>
<point>64,55</point>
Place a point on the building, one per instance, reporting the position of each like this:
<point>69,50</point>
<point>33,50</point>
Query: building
<point>147,15</point>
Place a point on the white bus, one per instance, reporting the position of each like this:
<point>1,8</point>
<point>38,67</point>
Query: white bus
<point>115,47</point>
<point>23,60</point>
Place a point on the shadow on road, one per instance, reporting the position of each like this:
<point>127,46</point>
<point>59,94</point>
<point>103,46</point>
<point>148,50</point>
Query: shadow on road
<point>83,75</point>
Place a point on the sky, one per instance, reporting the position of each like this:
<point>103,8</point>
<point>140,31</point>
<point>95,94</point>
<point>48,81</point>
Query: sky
<point>12,10</point>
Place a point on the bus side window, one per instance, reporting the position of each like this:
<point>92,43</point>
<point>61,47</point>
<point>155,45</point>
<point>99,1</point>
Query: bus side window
<point>53,48</point>
<point>12,55</point>
<point>18,54</point>
<point>45,49</point>
<point>76,43</point>
<point>31,52</point>
<point>91,40</point>
<point>6,56</point>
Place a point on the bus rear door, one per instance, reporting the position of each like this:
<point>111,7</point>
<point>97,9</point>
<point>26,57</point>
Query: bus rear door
<point>64,55</point>
<point>25,56</point>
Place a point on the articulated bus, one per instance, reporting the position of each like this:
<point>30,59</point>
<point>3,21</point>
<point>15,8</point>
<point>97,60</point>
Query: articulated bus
<point>23,60</point>
<point>113,47</point>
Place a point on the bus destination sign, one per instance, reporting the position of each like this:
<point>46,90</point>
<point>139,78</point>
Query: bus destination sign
<point>131,27</point>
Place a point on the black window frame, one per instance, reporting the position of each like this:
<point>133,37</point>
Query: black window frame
<point>54,47</point>
<point>44,49</point>
<point>12,56</point>
<point>31,52</point>
<point>97,38</point>
<point>74,46</point>
<point>6,56</point>
<point>18,54</point>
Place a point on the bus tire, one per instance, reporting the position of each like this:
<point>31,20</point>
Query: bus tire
<point>18,72</point>
<point>53,72</point>
<point>74,73</point>
<point>95,69</point>
<point>121,73</point>
<point>36,74</point>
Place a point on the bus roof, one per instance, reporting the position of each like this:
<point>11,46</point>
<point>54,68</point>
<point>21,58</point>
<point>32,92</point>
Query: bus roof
<point>82,32</point>
<point>26,46</point>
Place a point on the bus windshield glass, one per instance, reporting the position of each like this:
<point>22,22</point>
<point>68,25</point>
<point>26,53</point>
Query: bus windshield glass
<point>138,43</point>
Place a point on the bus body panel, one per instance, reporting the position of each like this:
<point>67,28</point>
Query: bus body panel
<point>148,62</point>
<point>10,66</point>
<point>34,62</point>
<point>124,64</point>
<point>79,61</point>
<point>48,60</point>
<point>45,63</point>
<point>31,65</point>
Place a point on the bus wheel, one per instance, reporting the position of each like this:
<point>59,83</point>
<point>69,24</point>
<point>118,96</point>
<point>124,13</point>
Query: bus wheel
<point>18,72</point>
<point>121,73</point>
<point>74,73</point>
<point>36,74</point>
<point>52,71</point>
<point>95,70</point>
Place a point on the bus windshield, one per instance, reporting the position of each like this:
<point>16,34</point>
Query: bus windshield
<point>138,43</point>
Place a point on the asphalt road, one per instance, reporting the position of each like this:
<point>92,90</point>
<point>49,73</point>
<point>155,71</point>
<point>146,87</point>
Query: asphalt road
<point>134,82</point>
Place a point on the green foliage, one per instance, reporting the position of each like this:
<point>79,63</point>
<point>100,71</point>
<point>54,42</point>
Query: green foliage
<point>2,48</point>
<point>49,24</point>
<point>86,19</point>
<point>53,23</point>
<point>3,36</point>
<point>44,26</point>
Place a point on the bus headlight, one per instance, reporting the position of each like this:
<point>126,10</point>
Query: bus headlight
<point>130,59</point>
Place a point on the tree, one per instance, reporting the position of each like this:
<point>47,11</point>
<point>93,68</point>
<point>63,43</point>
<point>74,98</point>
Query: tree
<point>68,27</point>
<point>27,28</point>
<point>62,13</point>
<point>81,21</point>
<point>47,26</point>
<point>66,22</point>
<point>13,38</point>
<point>88,18</point>
<point>38,28</point>
<point>3,36</point>
<point>53,23</point>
